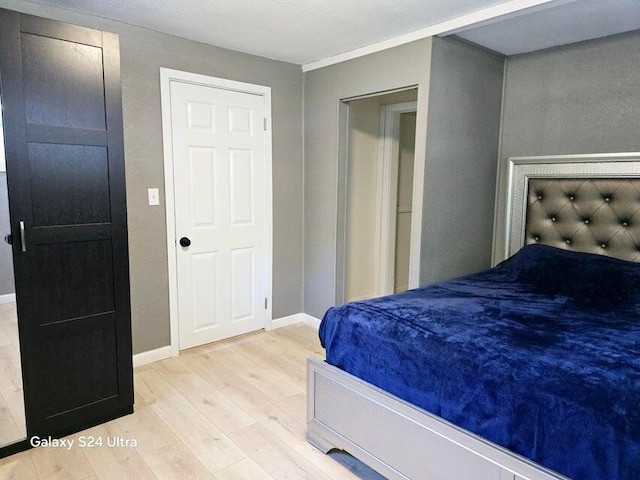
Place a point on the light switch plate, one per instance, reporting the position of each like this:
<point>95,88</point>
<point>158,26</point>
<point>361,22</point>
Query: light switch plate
<point>154,196</point>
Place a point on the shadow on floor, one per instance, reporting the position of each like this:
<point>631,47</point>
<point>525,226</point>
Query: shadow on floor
<point>355,466</point>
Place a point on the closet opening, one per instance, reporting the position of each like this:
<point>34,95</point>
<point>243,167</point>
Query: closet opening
<point>376,195</point>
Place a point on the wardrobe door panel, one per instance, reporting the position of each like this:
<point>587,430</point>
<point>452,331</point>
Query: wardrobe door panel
<point>65,169</point>
<point>76,280</point>
<point>68,92</point>
<point>70,184</point>
<point>81,370</point>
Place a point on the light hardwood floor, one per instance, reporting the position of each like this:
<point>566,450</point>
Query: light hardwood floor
<point>12,425</point>
<point>234,410</point>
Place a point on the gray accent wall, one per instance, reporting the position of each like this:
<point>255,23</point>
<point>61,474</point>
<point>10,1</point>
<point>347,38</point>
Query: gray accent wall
<point>465,97</point>
<point>402,66</point>
<point>143,52</point>
<point>580,98</point>
<point>457,132</point>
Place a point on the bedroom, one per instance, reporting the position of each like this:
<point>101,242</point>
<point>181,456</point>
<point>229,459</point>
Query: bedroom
<point>310,262</point>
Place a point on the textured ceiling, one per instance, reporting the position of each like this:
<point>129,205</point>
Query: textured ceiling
<point>296,31</point>
<point>563,24</point>
<point>305,31</point>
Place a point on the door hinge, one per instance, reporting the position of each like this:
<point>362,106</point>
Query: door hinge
<point>265,303</point>
<point>265,124</point>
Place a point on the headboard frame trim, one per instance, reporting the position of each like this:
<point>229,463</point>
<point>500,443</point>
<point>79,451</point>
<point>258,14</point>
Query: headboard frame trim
<point>567,222</point>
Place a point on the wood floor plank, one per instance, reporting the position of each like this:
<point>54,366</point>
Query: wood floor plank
<point>208,443</point>
<point>275,456</point>
<point>284,425</point>
<point>213,404</point>
<point>241,392</point>
<point>288,426</point>
<point>146,427</point>
<point>57,463</point>
<point>9,325</point>
<point>286,368</point>
<point>18,467</point>
<point>234,410</point>
<point>121,461</point>
<point>12,421</point>
<point>271,384</point>
<point>306,334</point>
<point>8,307</point>
<point>9,429</point>
<point>15,402</point>
<point>295,405</point>
<point>176,462</point>
<point>10,370</point>
<point>245,469</point>
<point>4,338</point>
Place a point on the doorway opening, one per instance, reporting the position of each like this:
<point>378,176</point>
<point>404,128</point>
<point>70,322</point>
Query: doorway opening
<point>377,204</point>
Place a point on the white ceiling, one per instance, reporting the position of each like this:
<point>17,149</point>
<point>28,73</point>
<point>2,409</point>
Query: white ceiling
<point>296,31</point>
<point>307,32</point>
<point>563,24</point>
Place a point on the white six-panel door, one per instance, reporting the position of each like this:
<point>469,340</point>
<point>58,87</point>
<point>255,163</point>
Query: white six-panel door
<point>219,189</point>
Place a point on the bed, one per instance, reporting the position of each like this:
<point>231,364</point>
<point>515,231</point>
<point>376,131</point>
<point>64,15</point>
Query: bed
<point>530,370</point>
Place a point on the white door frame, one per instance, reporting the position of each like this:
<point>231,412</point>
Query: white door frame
<point>386,200</point>
<point>166,77</point>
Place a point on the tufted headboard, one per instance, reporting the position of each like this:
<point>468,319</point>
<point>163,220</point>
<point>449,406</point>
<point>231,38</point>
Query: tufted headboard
<point>595,215</point>
<point>586,203</point>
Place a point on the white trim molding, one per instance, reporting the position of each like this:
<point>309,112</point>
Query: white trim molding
<point>151,356</point>
<point>512,7</point>
<point>310,320</point>
<point>286,321</point>
<point>162,353</point>
<point>386,203</point>
<point>521,169</point>
<point>8,298</point>
<point>166,77</point>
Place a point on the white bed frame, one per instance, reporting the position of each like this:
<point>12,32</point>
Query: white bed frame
<point>400,440</point>
<point>404,442</point>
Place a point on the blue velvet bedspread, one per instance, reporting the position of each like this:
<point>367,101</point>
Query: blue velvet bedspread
<point>540,354</point>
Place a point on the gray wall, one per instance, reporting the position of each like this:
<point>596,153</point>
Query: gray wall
<point>462,151</point>
<point>6,260</point>
<point>143,52</point>
<point>458,124</point>
<point>580,98</point>
<point>402,66</point>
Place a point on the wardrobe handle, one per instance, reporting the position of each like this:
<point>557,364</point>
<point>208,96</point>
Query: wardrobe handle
<point>23,238</point>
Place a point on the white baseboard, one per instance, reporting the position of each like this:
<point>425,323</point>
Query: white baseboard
<point>151,356</point>
<point>293,319</point>
<point>8,298</point>
<point>286,321</point>
<point>311,321</point>
<point>163,353</point>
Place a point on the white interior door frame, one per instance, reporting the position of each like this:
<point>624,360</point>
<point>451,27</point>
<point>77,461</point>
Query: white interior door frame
<point>166,77</point>
<point>386,198</point>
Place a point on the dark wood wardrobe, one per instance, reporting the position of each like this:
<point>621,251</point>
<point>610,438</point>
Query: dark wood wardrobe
<point>62,114</point>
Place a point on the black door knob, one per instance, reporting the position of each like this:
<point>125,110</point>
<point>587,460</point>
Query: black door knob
<point>185,242</point>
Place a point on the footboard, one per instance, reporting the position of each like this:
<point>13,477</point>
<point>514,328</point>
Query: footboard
<point>398,439</point>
